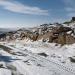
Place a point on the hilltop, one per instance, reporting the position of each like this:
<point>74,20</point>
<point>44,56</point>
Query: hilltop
<point>58,33</point>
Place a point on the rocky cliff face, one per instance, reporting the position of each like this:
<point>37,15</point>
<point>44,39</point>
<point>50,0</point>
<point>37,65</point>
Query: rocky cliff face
<point>58,33</point>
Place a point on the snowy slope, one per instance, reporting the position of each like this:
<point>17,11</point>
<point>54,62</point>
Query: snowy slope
<point>25,58</point>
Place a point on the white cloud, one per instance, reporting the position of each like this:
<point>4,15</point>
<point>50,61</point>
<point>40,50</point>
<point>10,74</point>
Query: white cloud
<point>20,8</point>
<point>69,7</point>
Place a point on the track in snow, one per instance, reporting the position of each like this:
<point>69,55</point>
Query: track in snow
<point>49,64</point>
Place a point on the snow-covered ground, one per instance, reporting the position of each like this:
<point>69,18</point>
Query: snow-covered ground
<point>36,58</point>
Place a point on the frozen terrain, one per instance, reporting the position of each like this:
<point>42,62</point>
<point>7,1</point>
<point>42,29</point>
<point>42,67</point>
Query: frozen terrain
<point>36,58</point>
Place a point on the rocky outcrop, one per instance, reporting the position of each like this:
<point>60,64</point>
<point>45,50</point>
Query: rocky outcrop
<point>73,18</point>
<point>57,33</point>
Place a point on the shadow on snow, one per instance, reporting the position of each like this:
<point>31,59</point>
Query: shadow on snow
<point>7,58</point>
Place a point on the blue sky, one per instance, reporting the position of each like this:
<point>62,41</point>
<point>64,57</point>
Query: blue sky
<point>28,13</point>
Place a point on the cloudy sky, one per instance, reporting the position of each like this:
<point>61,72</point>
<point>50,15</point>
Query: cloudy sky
<point>28,13</point>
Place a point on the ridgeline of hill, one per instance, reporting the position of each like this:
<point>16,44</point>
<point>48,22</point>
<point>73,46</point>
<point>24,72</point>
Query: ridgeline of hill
<point>58,33</point>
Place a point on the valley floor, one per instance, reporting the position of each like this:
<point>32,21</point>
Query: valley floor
<point>36,58</point>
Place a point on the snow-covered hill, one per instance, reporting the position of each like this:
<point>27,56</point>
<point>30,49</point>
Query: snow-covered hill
<point>36,58</point>
<point>48,49</point>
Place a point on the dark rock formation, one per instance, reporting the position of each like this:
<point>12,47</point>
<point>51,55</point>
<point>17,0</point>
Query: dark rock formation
<point>72,59</point>
<point>43,54</point>
<point>73,18</point>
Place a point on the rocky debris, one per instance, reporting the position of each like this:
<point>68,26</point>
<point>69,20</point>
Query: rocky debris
<point>1,65</point>
<point>72,59</point>
<point>57,33</point>
<point>43,54</point>
<point>61,29</point>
